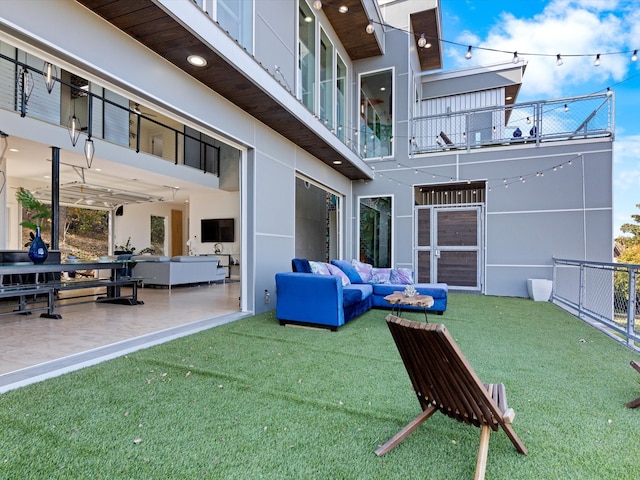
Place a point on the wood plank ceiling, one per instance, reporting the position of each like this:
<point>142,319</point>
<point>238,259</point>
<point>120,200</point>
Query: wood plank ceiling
<point>426,22</point>
<point>153,27</point>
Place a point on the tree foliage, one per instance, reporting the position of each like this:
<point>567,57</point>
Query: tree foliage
<point>35,211</point>
<point>630,254</point>
<point>82,221</point>
<point>632,231</point>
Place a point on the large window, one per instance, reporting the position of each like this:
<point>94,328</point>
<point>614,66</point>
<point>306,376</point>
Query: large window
<point>317,222</point>
<point>376,114</point>
<point>375,231</point>
<point>326,80</point>
<point>341,99</point>
<point>306,56</point>
<point>236,17</point>
<point>158,234</point>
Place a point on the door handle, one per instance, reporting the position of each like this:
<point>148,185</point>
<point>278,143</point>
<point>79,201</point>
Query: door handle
<point>437,253</point>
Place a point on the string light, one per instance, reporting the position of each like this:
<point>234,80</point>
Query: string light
<point>422,42</point>
<point>516,56</point>
<point>317,4</point>
<point>505,181</point>
<point>370,28</point>
<point>596,63</point>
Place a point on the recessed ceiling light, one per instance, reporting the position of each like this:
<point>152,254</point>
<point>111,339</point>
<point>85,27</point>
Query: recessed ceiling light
<point>196,60</point>
<point>308,19</point>
<point>14,150</point>
<point>337,162</point>
<point>343,9</point>
<point>509,98</point>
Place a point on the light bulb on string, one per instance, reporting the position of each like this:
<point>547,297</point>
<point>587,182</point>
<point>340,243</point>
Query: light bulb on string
<point>516,59</point>
<point>422,42</point>
<point>468,54</point>
<point>559,60</point>
<point>596,63</point>
<point>634,57</point>
<point>370,28</point>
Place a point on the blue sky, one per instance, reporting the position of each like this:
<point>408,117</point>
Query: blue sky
<point>569,27</point>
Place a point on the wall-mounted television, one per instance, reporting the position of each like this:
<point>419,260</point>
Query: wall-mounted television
<point>217,230</point>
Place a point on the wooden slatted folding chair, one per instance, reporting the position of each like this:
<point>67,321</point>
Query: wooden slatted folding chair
<point>634,403</point>
<point>444,380</point>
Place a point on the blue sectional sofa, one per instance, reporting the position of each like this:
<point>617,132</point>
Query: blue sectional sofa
<point>330,297</point>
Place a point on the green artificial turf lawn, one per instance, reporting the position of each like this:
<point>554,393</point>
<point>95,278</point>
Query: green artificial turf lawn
<point>252,399</point>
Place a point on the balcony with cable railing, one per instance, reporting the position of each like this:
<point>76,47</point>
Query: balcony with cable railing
<point>531,123</point>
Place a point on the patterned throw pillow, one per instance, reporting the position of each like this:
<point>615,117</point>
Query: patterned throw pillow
<point>336,272</point>
<point>401,276</point>
<point>363,269</point>
<point>380,275</point>
<point>319,268</point>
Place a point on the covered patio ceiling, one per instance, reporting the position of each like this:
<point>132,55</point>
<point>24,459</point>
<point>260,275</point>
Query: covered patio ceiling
<point>98,196</point>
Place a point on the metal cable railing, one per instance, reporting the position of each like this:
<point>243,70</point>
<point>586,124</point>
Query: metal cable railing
<point>606,295</point>
<point>589,116</point>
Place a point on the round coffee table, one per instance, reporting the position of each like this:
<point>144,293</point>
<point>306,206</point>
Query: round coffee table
<point>399,299</point>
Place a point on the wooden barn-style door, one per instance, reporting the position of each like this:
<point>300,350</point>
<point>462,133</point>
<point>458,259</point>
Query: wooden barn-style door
<point>448,246</point>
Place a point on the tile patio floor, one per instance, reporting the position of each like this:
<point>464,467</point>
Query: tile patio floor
<point>34,348</point>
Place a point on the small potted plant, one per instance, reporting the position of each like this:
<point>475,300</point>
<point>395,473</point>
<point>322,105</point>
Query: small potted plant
<point>38,212</point>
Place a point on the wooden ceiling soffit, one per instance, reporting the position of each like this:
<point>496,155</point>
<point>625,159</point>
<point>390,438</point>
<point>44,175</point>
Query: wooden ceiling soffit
<point>351,28</point>
<point>427,22</point>
<point>153,27</point>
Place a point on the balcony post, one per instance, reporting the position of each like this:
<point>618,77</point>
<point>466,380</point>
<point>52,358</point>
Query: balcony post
<point>55,197</point>
<point>538,123</point>
<point>631,307</point>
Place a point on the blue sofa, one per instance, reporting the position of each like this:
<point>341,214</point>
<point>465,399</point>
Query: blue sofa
<point>310,298</point>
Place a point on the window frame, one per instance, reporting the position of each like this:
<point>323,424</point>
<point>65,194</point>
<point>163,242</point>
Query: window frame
<point>366,107</point>
<point>391,256</point>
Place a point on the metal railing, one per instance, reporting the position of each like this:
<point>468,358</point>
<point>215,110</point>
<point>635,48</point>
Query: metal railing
<point>589,116</point>
<point>606,295</point>
<point>102,115</point>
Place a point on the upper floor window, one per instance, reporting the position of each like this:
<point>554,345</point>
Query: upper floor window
<point>326,80</point>
<point>236,17</point>
<point>341,99</point>
<point>376,114</point>
<point>306,56</point>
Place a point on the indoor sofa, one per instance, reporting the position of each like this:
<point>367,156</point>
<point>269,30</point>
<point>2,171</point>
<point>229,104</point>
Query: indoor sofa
<point>178,270</point>
<point>331,294</point>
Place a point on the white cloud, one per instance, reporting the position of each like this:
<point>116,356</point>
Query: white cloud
<point>564,27</point>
